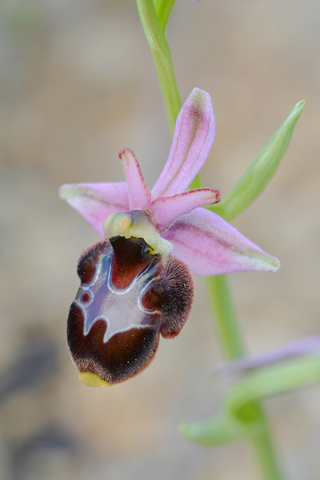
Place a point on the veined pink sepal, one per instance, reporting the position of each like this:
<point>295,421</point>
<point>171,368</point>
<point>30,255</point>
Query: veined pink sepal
<point>96,201</point>
<point>192,141</point>
<point>211,246</point>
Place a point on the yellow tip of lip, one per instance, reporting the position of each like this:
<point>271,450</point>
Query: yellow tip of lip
<point>92,380</point>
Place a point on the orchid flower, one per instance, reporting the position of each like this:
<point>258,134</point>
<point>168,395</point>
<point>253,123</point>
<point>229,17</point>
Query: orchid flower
<point>135,284</point>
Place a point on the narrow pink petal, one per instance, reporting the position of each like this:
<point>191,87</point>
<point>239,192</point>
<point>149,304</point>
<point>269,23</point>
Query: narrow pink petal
<point>139,194</point>
<point>211,246</point>
<point>192,140</point>
<point>165,210</point>
<point>96,201</point>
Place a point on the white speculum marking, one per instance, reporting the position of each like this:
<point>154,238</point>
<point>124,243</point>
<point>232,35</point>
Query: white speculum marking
<point>121,309</point>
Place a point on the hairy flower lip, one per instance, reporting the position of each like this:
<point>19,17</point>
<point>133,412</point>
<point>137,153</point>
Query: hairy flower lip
<point>204,241</point>
<point>127,298</point>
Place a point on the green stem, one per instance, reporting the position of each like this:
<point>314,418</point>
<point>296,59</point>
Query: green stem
<point>162,59</point>
<point>219,294</point>
<point>264,448</point>
<point>231,341</point>
<point>154,29</point>
<point>224,316</point>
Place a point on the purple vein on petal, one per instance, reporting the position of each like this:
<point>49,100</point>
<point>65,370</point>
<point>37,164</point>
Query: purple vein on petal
<point>139,194</point>
<point>96,201</point>
<point>211,246</point>
<point>165,210</point>
<point>192,140</point>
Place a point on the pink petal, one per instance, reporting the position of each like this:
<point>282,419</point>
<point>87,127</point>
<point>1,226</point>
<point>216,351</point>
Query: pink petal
<point>139,194</point>
<point>211,246</point>
<point>96,201</point>
<point>192,140</point>
<point>165,210</point>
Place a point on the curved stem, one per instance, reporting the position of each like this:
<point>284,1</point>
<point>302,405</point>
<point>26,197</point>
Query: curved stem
<point>272,380</point>
<point>225,322</point>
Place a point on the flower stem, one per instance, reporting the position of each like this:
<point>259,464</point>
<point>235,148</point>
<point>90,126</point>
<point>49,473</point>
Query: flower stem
<point>264,448</point>
<point>218,292</point>
<point>162,59</point>
<point>224,315</point>
<point>225,323</point>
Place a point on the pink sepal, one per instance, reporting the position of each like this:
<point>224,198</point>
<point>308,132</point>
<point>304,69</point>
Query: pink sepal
<point>211,246</point>
<point>96,201</point>
<point>192,140</point>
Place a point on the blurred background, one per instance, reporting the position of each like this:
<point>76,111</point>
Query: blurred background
<point>77,84</point>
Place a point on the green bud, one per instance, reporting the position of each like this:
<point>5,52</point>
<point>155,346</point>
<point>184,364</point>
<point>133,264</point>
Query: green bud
<point>261,170</point>
<point>163,10</point>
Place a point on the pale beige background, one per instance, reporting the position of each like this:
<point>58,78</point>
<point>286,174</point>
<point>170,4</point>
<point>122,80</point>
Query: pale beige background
<point>78,84</point>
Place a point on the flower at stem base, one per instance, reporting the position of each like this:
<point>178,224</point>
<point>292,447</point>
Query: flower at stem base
<point>136,284</point>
